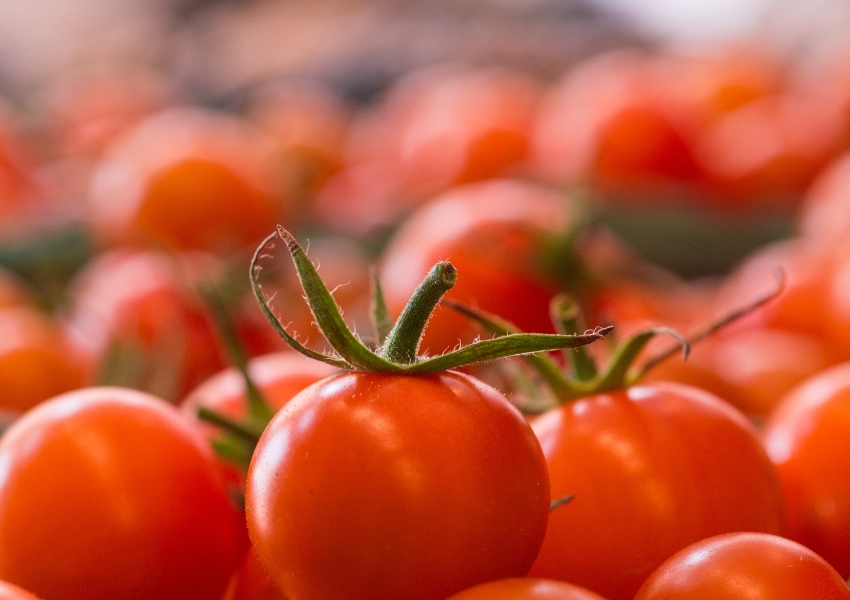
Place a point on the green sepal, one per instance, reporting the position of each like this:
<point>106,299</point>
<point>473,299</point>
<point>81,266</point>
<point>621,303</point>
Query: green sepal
<point>272,318</point>
<point>382,323</point>
<point>567,318</point>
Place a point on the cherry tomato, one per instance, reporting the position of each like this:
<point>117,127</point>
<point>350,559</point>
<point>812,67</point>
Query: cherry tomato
<point>770,150</point>
<point>140,302</point>
<point>391,486</point>
<point>309,125</point>
<point>185,179</point>
<point>653,468</point>
<point>110,493</point>
<point>279,377</point>
<point>252,583</point>
<point>36,361</point>
<point>752,369</point>
<point>526,589</point>
<point>824,218</point>
<point>807,438</point>
<point>497,234</point>
<point>13,592</point>
<point>606,121</point>
<point>745,565</point>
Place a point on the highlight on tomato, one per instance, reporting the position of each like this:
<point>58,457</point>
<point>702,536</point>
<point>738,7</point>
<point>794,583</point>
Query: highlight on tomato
<point>399,478</point>
<point>740,565</point>
<point>111,493</point>
<point>13,592</point>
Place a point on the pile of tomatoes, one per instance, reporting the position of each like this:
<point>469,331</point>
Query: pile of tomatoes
<point>129,217</point>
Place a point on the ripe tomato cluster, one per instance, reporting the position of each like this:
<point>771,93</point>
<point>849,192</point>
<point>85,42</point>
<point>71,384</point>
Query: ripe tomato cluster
<point>197,407</point>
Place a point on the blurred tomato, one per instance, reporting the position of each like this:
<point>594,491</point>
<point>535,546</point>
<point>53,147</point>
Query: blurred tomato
<point>252,583</point>
<point>501,236</point>
<point>436,128</point>
<point>752,369</point>
<point>769,150</point>
<point>807,438</point>
<point>187,179</point>
<point>309,126</point>
<point>36,361</point>
<point>134,312</point>
<point>607,122</point>
<point>824,218</point>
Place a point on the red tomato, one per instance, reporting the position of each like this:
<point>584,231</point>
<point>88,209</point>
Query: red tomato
<point>252,583</point>
<point>36,362</point>
<point>370,486</point>
<point>824,218</point>
<point>752,369</point>
<point>745,565</point>
<point>13,592</point>
<point>496,233</point>
<point>769,150</point>
<point>807,437</point>
<point>607,121</point>
<point>653,468</point>
<point>309,125</point>
<point>110,493</point>
<point>526,589</point>
<point>279,376</point>
<point>142,302</point>
<point>185,179</point>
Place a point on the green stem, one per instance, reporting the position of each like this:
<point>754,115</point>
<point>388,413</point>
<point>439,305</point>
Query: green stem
<point>548,370</point>
<point>258,407</point>
<point>247,430</point>
<point>402,342</point>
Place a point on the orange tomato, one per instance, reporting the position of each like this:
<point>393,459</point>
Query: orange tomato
<point>185,179</point>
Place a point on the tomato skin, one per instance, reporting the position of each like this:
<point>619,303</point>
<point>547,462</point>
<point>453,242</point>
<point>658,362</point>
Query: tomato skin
<point>36,362</point>
<point>755,566</point>
<point>653,468</point>
<point>109,493</point>
<point>526,589</point>
<point>389,486</point>
<point>807,438</point>
<point>185,179</point>
<point>13,592</point>
<point>252,583</point>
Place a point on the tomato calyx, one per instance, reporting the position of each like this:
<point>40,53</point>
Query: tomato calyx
<point>397,349</point>
<point>584,378</point>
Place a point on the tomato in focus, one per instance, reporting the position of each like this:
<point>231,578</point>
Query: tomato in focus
<point>370,486</point>
<point>526,589</point>
<point>110,493</point>
<point>745,565</point>
<point>653,468</point>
